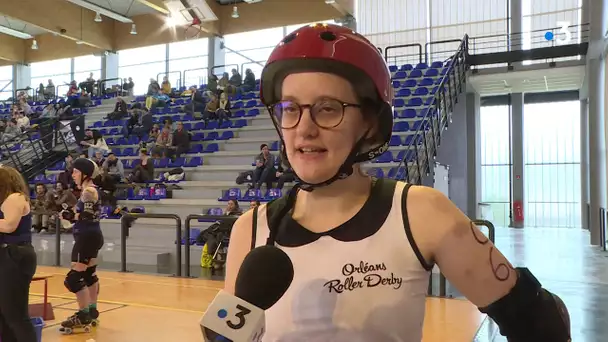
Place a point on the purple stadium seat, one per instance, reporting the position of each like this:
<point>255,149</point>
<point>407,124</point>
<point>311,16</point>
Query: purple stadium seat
<point>232,193</point>
<point>252,194</point>
<point>273,194</point>
<point>385,157</point>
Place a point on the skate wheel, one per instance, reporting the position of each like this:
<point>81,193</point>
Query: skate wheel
<point>67,331</point>
<point>87,329</point>
<point>95,323</point>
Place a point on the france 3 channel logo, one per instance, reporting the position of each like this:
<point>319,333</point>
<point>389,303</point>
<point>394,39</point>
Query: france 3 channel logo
<point>561,36</point>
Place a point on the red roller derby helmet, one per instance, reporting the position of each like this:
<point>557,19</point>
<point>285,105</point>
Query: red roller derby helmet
<point>336,50</point>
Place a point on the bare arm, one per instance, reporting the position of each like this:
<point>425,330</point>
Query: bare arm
<point>13,209</point>
<point>467,258</point>
<point>240,245</point>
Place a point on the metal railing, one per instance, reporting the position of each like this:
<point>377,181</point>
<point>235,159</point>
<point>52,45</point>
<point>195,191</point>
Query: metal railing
<point>202,80</point>
<point>603,220</point>
<point>168,74</point>
<point>124,233</point>
<point>404,58</point>
<point>226,67</point>
<point>101,85</point>
<point>442,280</point>
<point>423,148</point>
<point>35,150</point>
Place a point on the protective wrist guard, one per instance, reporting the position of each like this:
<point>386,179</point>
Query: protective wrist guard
<point>68,215</point>
<point>530,313</point>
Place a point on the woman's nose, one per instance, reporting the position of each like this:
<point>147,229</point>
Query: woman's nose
<point>307,126</point>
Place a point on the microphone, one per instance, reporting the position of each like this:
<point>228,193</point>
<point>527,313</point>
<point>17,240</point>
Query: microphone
<point>265,275</point>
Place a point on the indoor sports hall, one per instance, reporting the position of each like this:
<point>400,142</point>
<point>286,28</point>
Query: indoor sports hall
<point>500,105</point>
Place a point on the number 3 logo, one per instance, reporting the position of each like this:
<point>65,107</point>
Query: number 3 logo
<point>243,311</point>
<point>565,35</point>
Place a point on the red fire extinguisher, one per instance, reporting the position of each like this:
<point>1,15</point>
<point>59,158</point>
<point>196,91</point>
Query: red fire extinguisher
<point>518,212</point>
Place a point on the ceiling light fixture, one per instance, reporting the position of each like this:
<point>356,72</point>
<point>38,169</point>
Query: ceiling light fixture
<point>102,11</point>
<point>133,29</point>
<point>98,17</point>
<point>235,12</point>
<point>15,33</point>
<point>330,2</point>
<point>34,45</point>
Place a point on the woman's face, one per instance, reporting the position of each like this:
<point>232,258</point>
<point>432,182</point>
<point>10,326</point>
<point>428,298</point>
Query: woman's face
<point>77,176</point>
<point>230,206</point>
<point>317,153</point>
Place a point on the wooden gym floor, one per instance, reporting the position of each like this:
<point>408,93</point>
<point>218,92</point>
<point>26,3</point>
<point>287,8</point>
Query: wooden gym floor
<point>138,308</point>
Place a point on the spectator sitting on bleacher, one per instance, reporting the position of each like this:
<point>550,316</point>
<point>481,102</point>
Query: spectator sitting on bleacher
<point>11,131</point>
<point>127,87</point>
<point>211,109</point>
<point>236,80</point>
<point>232,208</point>
<point>25,107</point>
<point>152,136</point>
<point>198,102</point>
<point>65,177</point>
<point>49,111</point>
<point>211,85</point>
<point>59,198</point>
<point>164,141</point>
<point>121,110</point>
<point>153,89</point>
<point>49,90</point>
<point>98,158</point>
<point>144,123</point>
<point>223,85</point>
<point>249,83</point>
<point>84,100</point>
<point>114,168</point>
<point>95,142</point>
<point>284,175</point>
<point>264,168</point>
<point>223,108</point>
<point>39,203</point>
<point>254,204</point>
<point>159,100</point>
<point>23,122</point>
<point>166,86</point>
<point>180,142</point>
<point>144,171</point>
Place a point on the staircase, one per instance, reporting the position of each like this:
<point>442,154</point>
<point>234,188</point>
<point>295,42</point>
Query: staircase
<point>33,152</point>
<point>417,162</point>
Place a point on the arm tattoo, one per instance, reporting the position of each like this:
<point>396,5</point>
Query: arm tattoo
<point>481,240</point>
<point>502,271</point>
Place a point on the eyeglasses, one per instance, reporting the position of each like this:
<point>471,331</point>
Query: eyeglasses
<point>327,113</point>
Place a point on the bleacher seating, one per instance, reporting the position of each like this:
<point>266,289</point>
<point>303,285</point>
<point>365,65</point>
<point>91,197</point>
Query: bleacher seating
<point>218,154</point>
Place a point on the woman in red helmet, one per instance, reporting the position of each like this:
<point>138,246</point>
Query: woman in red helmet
<point>362,248</point>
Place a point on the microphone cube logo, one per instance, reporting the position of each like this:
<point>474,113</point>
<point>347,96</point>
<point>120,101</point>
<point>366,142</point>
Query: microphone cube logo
<point>563,35</point>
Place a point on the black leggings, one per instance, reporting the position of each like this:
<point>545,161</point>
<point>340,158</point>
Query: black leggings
<point>17,268</point>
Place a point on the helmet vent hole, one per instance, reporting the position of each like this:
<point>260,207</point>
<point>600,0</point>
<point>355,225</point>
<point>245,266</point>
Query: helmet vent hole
<point>289,38</point>
<point>328,36</point>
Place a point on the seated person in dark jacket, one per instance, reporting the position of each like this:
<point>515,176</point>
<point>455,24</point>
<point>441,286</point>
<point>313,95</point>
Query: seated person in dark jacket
<point>284,175</point>
<point>144,124</point>
<point>236,79</point>
<point>249,83</point>
<point>181,142</point>
<point>121,110</point>
<point>198,101</point>
<point>144,171</point>
<point>264,171</point>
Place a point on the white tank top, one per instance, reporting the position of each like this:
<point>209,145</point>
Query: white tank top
<point>369,290</point>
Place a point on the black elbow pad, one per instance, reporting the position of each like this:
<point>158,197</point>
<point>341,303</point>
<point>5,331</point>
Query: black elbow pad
<point>530,313</point>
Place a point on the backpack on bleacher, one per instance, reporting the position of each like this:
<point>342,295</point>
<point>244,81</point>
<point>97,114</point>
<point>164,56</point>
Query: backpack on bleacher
<point>175,175</point>
<point>244,177</point>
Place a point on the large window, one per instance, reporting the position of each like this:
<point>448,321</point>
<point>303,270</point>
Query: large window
<point>59,70</point>
<point>188,62</point>
<point>6,82</point>
<point>142,64</point>
<point>552,164</point>
<point>85,65</point>
<point>495,161</point>
<point>250,50</point>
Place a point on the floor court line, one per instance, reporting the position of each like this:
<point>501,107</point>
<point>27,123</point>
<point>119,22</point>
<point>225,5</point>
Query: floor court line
<point>147,306</point>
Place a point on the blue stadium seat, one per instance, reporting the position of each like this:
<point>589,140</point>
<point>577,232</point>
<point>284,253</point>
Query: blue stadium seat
<point>395,140</point>
<point>178,162</point>
<point>195,148</point>
<point>385,157</point>
<point>400,75</point>
<point>407,113</point>
<point>212,136</point>
<point>232,193</point>
<point>414,102</point>
<point>213,147</point>
<point>417,73</point>
<point>404,92</point>
<point>273,194</point>
<point>401,126</point>
<point>406,67</point>
<point>194,161</point>
<point>396,172</point>
<point>251,195</point>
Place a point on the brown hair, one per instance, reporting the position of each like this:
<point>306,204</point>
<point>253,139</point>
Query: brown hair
<point>11,181</point>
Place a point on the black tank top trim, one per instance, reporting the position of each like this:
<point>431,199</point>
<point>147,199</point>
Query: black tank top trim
<point>371,217</point>
<point>408,229</point>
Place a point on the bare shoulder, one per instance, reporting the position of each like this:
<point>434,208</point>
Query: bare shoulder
<point>432,216</point>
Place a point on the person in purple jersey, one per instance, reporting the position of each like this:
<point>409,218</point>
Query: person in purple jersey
<point>363,248</point>
<point>17,258</point>
<point>82,278</point>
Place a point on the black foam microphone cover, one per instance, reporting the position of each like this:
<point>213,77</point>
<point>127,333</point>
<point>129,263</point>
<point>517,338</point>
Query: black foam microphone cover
<point>265,275</point>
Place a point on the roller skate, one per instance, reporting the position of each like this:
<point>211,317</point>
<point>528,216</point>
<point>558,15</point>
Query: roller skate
<point>94,313</point>
<point>78,321</point>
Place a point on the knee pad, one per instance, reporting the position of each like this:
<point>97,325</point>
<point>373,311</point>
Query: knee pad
<point>74,281</point>
<point>90,276</point>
